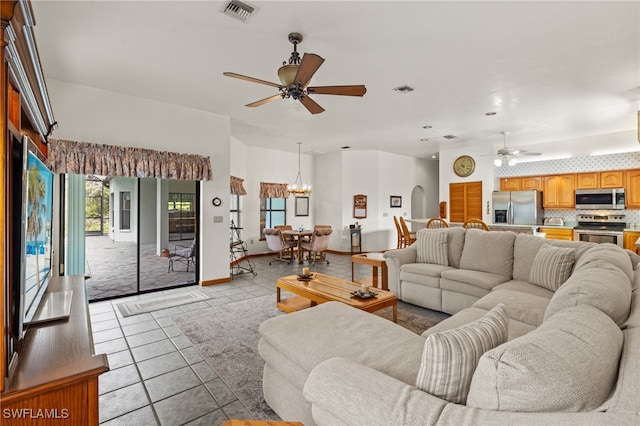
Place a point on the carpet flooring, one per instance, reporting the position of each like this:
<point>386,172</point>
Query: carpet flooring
<point>227,338</point>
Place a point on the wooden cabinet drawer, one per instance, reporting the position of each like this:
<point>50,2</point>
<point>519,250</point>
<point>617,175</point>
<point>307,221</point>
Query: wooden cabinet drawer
<point>558,233</point>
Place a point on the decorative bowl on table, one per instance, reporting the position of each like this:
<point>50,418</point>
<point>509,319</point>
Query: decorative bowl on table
<point>361,295</point>
<point>305,277</point>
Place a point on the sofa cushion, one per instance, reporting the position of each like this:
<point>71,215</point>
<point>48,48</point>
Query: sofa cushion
<point>482,280</point>
<point>522,307</point>
<point>433,247</point>
<point>599,284</point>
<point>488,252</point>
<point>610,253</point>
<point>525,287</point>
<point>449,358</point>
<point>525,248</point>
<point>552,266</point>
<point>465,316</point>
<point>568,364</point>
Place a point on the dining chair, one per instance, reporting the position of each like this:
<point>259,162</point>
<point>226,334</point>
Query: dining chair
<point>437,223</point>
<point>286,228</point>
<point>317,245</point>
<point>409,237</point>
<point>399,232</point>
<point>474,223</point>
<point>278,244</point>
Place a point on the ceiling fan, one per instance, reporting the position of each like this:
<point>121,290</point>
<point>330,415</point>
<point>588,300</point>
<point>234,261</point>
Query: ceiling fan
<point>295,77</point>
<point>507,156</point>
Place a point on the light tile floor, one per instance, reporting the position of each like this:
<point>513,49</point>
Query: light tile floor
<point>157,377</point>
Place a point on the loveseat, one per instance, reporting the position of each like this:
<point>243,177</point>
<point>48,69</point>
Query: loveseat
<point>559,321</point>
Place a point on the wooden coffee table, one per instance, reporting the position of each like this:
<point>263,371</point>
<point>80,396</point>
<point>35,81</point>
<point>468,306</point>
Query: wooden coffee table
<point>325,288</point>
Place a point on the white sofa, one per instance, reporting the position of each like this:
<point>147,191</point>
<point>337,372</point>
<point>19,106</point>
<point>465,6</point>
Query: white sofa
<point>572,355</point>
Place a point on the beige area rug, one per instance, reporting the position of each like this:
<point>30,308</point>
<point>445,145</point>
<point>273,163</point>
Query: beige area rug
<point>149,305</point>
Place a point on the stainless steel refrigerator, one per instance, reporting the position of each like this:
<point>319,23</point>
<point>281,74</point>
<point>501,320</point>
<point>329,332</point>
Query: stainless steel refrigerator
<point>518,207</point>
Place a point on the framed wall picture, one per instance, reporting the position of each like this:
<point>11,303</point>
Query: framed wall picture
<point>395,201</point>
<point>360,206</point>
<point>302,206</point>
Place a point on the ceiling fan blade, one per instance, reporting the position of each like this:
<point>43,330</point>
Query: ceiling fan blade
<point>311,105</point>
<point>357,90</point>
<point>530,153</point>
<point>251,79</point>
<point>264,101</point>
<point>309,65</point>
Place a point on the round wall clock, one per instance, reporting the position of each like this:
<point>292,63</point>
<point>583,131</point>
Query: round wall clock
<point>216,201</point>
<point>464,166</point>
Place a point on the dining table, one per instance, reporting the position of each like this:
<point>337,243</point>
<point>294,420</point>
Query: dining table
<point>299,235</point>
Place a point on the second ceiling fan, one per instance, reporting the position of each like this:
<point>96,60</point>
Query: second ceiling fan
<point>507,156</point>
<point>295,78</point>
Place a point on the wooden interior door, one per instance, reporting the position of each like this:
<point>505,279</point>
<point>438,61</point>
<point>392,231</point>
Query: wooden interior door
<point>465,200</point>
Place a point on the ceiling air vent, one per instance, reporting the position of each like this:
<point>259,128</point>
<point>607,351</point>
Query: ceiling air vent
<point>238,10</point>
<point>403,89</point>
<point>450,136</point>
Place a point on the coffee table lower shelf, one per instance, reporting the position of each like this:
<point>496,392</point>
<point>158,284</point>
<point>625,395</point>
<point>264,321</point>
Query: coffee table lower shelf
<point>294,304</point>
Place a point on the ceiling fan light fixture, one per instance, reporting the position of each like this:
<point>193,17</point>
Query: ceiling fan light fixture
<point>497,162</point>
<point>512,161</point>
<point>297,188</point>
<point>287,74</point>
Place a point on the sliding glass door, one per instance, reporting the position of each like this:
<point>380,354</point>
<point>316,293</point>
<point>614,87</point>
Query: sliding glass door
<point>135,241</point>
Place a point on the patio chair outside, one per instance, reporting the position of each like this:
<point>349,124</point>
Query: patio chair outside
<point>183,254</point>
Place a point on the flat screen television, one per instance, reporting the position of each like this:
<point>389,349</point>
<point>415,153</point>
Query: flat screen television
<point>36,233</point>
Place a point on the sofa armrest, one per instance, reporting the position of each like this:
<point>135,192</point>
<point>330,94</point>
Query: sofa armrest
<point>344,391</point>
<point>395,259</point>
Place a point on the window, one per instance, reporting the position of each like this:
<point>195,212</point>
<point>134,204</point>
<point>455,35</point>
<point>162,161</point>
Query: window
<point>273,212</point>
<point>125,210</point>
<point>182,216</point>
<point>235,210</point>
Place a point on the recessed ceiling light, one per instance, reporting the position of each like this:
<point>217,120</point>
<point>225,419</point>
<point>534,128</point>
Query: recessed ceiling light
<point>449,136</point>
<point>427,127</point>
<point>434,156</point>
<point>490,113</point>
<point>345,147</point>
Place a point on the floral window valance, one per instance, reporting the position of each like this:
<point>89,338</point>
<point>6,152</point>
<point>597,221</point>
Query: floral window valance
<point>273,190</point>
<point>110,160</point>
<point>237,186</point>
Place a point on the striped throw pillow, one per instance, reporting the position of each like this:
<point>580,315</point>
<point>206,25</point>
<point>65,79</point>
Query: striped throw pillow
<point>449,358</point>
<point>552,266</point>
<point>433,247</point>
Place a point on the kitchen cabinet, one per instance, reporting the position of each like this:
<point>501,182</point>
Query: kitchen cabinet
<point>465,201</point>
<point>629,240</point>
<point>559,191</point>
<point>531,182</point>
<point>510,184</point>
<point>632,189</point>
<point>612,179</point>
<point>588,180</point>
<point>558,233</point>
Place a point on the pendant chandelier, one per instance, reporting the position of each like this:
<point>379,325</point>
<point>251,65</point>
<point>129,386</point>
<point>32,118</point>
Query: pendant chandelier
<point>297,188</point>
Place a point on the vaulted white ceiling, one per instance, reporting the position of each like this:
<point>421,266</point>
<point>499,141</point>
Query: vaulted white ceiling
<point>551,71</point>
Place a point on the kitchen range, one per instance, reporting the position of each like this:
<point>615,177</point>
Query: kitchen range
<point>600,228</point>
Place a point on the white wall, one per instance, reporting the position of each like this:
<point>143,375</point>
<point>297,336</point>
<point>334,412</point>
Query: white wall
<point>92,115</point>
<point>483,172</point>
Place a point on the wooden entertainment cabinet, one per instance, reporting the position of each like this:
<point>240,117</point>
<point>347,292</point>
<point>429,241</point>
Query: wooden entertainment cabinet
<point>56,377</point>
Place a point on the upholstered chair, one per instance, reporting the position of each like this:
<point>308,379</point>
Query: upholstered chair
<point>317,245</point>
<point>278,244</point>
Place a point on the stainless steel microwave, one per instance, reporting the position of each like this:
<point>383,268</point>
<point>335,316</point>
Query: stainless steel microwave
<point>600,199</point>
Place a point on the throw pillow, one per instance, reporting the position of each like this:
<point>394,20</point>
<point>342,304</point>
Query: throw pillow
<point>552,266</point>
<point>432,248</point>
<point>449,358</point>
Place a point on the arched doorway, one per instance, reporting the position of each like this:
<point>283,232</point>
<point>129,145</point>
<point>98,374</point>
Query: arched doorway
<point>418,205</point>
